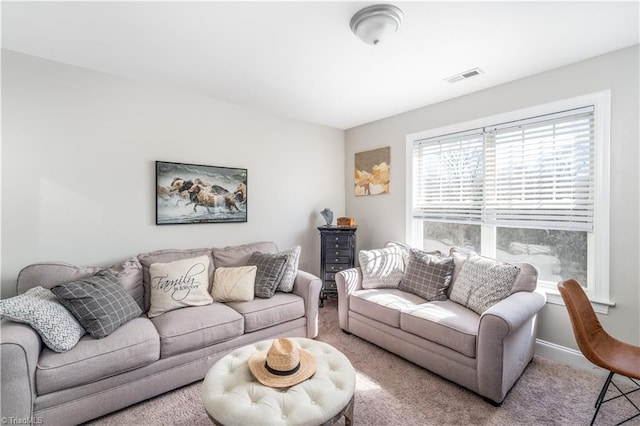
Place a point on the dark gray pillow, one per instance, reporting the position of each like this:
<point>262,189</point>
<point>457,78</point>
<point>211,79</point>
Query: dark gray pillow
<point>427,275</point>
<point>270,267</point>
<point>99,303</point>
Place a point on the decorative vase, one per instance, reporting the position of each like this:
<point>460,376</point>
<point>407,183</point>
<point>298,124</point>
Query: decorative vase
<point>327,214</point>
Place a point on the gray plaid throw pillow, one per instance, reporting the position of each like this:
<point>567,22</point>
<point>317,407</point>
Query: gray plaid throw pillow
<point>270,269</point>
<point>427,275</point>
<point>39,308</point>
<point>99,303</point>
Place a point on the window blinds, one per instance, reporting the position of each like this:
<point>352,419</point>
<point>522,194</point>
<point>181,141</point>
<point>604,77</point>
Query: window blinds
<point>448,177</point>
<point>533,173</point>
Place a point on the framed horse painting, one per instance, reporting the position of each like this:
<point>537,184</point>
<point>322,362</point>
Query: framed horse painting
<point>194,193</point>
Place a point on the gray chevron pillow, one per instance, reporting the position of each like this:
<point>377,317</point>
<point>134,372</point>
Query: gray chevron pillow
<point>39,308</point>
<point>483,282</point>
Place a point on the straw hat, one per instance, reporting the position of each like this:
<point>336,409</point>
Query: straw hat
<point>283,365</point>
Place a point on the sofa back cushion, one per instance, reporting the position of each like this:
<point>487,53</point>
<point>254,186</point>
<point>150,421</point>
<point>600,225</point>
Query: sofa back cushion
<point>51,274</point>
<point>231,256</point>
<point>166,256</point>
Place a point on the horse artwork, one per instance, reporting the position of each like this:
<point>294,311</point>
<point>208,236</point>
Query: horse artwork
<point>372,172</point>
<point>193,193</point>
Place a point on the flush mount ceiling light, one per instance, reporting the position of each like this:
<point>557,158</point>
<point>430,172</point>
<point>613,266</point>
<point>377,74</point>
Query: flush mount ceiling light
<point>374,24</point>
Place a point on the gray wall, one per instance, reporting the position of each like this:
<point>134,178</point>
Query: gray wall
<point>381,218</point>
<point>78,168</point>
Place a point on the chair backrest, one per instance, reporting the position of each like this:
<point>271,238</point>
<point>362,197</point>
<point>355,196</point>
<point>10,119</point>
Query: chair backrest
<point>586,326</point>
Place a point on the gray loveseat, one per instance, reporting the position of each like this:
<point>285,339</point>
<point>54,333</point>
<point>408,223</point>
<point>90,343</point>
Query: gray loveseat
<point>144,357</point>
<point>485,353</point>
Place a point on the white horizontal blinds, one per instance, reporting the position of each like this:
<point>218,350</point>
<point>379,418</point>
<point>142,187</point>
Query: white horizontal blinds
<point>539,172</point>
<point>448,177</point>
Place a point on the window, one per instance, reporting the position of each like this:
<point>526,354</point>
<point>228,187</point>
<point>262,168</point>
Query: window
<point>528,186</point>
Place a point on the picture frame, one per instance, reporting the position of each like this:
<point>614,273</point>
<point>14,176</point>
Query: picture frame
<point>372,172</point>
<point>195,193</point>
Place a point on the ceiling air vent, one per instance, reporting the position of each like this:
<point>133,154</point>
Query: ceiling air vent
<point>464,75</point>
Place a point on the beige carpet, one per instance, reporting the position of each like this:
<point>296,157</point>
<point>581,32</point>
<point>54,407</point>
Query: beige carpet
<point>392,391</point>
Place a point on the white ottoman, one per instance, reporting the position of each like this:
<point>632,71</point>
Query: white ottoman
<point>232,396</point>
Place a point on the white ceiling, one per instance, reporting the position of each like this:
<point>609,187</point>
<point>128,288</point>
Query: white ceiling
<point>300,59</point>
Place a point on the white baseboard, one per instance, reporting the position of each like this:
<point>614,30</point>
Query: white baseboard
<point>565,355</point>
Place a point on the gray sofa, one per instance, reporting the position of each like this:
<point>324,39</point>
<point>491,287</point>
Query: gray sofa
<point>484,353</point>
<point>144,357</point>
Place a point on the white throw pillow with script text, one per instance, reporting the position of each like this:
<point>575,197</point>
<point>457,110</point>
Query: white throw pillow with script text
<point>178,284</point>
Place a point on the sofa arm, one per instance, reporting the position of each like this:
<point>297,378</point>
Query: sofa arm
<point>347,282</point>
<point>20,347</point>
<point>308,287</point>
<point>506,341</point>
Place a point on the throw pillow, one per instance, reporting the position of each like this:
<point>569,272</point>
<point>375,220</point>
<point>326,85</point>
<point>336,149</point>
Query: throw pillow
<point>39,308</point>
<point>290,269</point>
<point>178,284</point>
<point>428,275</point>
<point>483,282</point>
<point>270,269</point>
<point>234,284</point>
<point>382,268</point>
<point>99,303</point>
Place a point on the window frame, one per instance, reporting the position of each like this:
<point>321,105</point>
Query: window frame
<point>598,289</point>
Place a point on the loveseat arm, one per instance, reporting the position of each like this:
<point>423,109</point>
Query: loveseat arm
<point>308,287</point>
<point>347,282</point>
<point>506,341</point>
<point>20,347</point>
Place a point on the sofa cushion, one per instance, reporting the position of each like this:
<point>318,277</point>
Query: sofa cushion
<point>381,268</point>
<point>263,313</point>
<point>239,255</point>
<point>234,284</point>
<point>384,304</point>
<point>483,282</point>
<point>50,274</point>
<point>166,256</point>
<point>428,275</point>
<point>290,269</point>
<point>133,345</point>
<point>39,308</point>
<point>180,283</point>
<point>188,329</point>
<point>270,269</point>
<point>99,303</point>
<point>444,322</point>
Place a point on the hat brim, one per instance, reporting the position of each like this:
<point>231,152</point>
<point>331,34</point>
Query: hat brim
<point>257,365</point>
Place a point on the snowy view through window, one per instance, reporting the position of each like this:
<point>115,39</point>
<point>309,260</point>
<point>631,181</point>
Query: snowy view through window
<point>558,255</point>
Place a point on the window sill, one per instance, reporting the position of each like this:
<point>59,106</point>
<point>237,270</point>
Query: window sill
<point>599,306</point>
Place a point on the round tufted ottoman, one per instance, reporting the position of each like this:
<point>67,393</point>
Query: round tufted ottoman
<point>232,396</point>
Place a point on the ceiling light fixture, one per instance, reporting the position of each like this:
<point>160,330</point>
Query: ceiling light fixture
<point>374,24</point>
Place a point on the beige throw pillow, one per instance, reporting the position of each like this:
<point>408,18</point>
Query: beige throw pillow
<point>234,284</point>
<point>178,284</point>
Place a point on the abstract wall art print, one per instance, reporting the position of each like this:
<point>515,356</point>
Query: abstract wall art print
<point>372,171</point>
<point>193,193</point>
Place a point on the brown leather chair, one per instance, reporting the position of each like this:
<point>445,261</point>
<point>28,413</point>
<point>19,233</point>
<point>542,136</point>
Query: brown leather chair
<point>598,346</point>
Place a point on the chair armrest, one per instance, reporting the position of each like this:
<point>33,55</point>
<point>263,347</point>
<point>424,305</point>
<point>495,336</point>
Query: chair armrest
<point>347,282</point>
<point>20,348</point>
<point>308,287</point>
<point>506,340</point>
